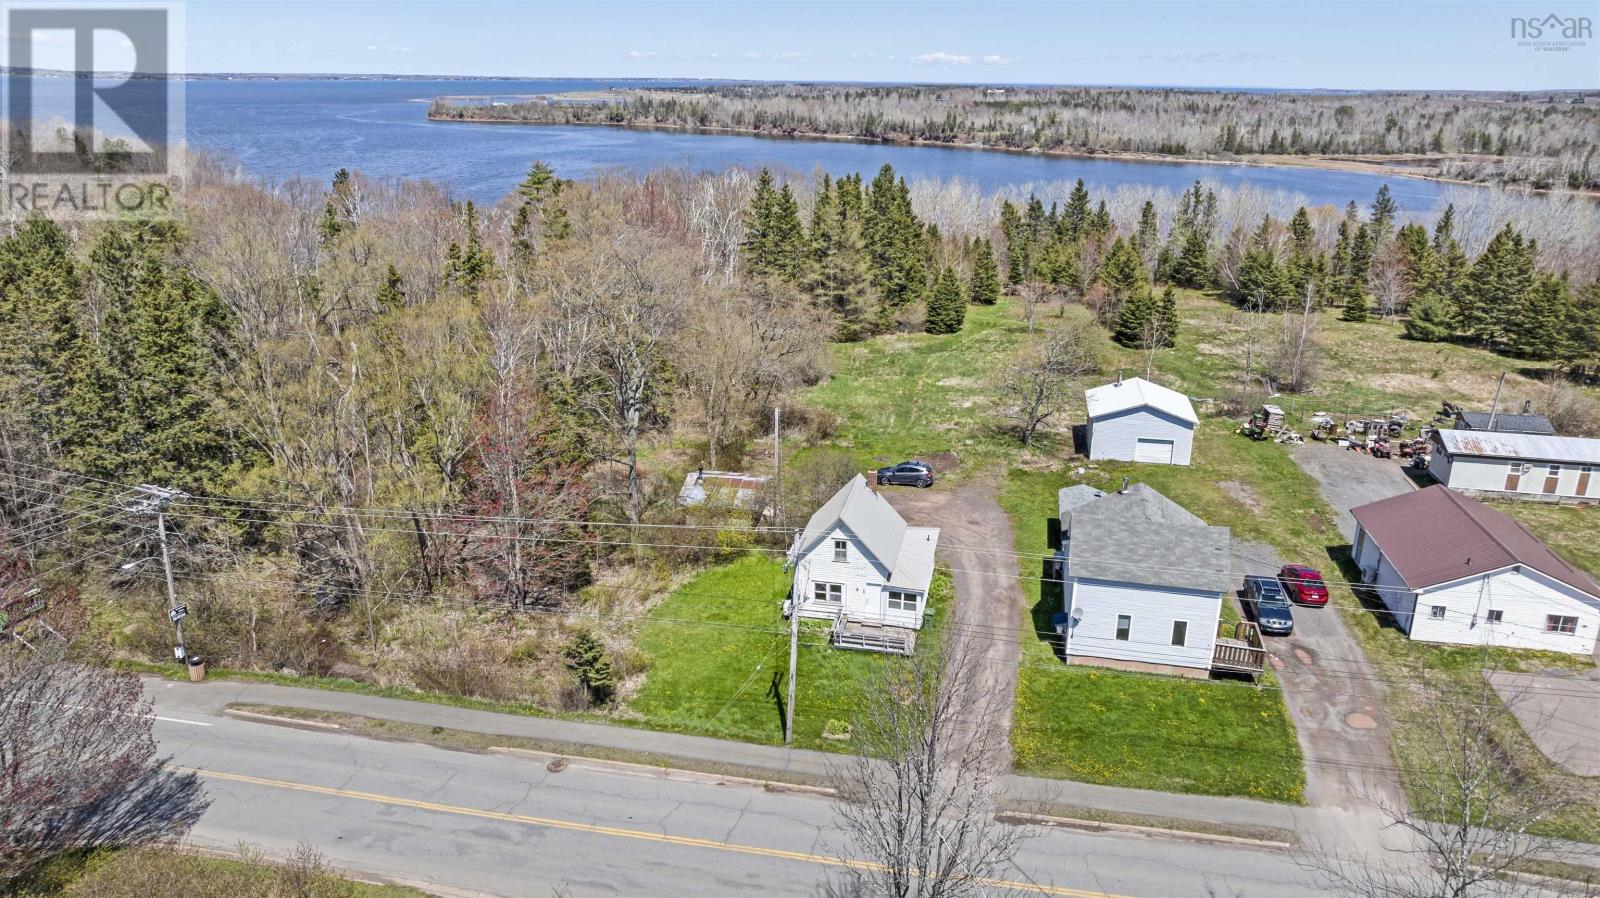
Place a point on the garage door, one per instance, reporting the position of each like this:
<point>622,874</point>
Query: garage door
<point>1157,451</point>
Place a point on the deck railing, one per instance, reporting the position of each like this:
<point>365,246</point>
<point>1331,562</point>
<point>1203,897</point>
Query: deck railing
<point>1239,650</point>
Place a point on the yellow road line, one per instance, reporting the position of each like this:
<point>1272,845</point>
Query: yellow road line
<point>595,829</point>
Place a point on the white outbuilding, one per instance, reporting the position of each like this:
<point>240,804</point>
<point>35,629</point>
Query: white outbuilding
<point>1534,466</point>
<point>1136,420</point>
<point>1450,569</point>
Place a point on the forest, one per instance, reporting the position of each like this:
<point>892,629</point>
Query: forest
<point>1542,140</point>
<point>427,444</point>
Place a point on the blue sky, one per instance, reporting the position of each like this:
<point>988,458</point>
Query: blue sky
<point>1394,44</point>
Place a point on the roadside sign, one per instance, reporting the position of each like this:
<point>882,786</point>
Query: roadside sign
<point>178,613</point>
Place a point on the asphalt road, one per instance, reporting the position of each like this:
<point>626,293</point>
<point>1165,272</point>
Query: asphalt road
<point>501,825</point>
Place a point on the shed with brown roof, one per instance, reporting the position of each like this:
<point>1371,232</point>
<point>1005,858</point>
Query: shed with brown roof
<point>1451,569</point>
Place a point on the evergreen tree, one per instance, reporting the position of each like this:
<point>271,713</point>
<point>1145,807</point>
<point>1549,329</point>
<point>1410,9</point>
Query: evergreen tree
<point>1261,278</point>
<point>1431,319</point>
<point>1166,312</point>
<point>391,296</point>
<point>1539,329</point>
<point>471,266</point>
<point>984,288</point>
<point>1148,239</point>
<point>587,658</point>
<point>1133,318</point>
<point>1383,213</point>
<point>1580,345</point>
<point>947,305</point>
<point>838,276</point>
<point>1123,273</point>
<point>1193,267</point>
<point>1076,217</point>
<point>1496,288</point>
<point>41,297</point>
<point>896,245</point>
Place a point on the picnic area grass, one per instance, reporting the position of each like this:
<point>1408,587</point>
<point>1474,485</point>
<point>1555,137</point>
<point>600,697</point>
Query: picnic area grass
<point>1140,730</point>
<point>719,656</point>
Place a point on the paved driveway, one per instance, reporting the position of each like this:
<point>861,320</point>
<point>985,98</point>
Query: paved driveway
<point>1560,712</point>
<point>1335,700</point>
<point>1348,479</point>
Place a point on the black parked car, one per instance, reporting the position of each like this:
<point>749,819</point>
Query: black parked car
<point>1265,601</point>
<point>907,473</point>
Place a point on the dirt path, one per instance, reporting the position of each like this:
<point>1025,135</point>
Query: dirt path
<point>974,540</point>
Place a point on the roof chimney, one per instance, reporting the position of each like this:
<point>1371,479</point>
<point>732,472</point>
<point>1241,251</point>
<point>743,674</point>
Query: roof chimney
<point>1119,377</point>
<point>1124,485</point>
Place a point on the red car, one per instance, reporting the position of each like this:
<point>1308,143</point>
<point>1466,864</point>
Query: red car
<point>1304,584</point>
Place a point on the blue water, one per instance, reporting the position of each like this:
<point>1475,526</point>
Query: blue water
<point>278,129</point>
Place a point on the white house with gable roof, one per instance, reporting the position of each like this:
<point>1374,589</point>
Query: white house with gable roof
<point>857,563</point>
<point>1136,420</point>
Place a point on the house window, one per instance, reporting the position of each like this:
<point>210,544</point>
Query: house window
<point>1124,624</point>
<point>828,593</point>
<point>1180,632</point>
<point>1559,623</point>
<point>1496,615</point>
<point>1437,612</point>
<point>902,601</point>
<point>841,551</point>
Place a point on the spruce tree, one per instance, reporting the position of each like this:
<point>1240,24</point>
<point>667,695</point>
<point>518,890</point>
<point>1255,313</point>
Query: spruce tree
<point>1133,318</point>
<point>1148,238</point>
<point>1384,209</point>
<point>41,300</point>
<point>1430,320</point>
<point>985,284</point>
<point>1193,268</point>
<point>1077,215</point>
<point>947,305</point>
<point>1166,312</point>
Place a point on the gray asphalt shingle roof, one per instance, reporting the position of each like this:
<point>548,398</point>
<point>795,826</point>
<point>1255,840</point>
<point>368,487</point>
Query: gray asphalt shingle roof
<point>1504,423</point>
<point>1140,536</point>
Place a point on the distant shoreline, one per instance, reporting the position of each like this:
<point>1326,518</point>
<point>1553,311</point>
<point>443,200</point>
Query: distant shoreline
<point>1350,164</point>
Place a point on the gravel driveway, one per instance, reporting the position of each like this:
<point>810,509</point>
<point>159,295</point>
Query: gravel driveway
<point>975,540</point>
<point>1347,478</point>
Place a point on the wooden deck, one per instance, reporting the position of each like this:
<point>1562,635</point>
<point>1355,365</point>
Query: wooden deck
<point>872,637</point>
<point>1239,650</point>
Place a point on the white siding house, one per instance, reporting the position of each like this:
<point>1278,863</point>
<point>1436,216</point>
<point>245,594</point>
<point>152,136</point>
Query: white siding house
<point>1136,420</point>
<point>857,561</point>
<point>1453,570</point>
<point>1143,579</point>
<point>1517,465</point>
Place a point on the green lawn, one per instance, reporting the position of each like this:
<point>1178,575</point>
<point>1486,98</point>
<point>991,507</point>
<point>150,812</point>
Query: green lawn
<point>1572,530</point>
<point>110,873</point>
<point>1150,732</point>
<point>914,395</point>
<point>730,681</point>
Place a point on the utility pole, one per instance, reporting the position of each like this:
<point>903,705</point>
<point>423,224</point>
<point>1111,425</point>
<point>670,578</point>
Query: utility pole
<point>1495,408</point>
<point>156,500</point>
<point>794,658</point>
<point>777,464</point>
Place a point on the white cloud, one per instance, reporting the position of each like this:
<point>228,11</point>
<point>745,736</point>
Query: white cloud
<point>788,54</point>
<point>642,54</point>
<point>372,48</point>
<point>995,59</point>
<point>942,58</point>
<point>751,54</point>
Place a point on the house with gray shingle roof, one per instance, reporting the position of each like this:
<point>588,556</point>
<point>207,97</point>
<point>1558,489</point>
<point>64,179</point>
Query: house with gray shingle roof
<point>857,563</point>
<point>1142,580</point>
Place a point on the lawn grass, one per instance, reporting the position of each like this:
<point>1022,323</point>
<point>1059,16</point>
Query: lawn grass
<point>1126,729</point>
<point>138,873</point>
<point>914,395</point>
<point>729,681</point>
<point>1572,530</point>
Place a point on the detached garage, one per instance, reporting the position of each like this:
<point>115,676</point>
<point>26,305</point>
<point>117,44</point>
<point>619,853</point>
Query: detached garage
<point>1136,420</point>
<point>1453,570</point>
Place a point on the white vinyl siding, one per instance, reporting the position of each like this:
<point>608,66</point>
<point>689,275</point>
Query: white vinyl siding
<point>1117,436</point>
<point>1151,612</point>
<point>1385,580</point>
<point>864,593</point>
<point>1472,474</point>
<point>1508,608</point>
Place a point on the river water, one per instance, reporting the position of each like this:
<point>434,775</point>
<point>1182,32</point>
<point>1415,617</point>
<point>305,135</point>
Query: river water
<point>277,129</point>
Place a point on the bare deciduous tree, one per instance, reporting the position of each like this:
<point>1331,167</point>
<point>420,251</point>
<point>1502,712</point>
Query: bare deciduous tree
<point>1474,824</point>
<point>1293,361</point>
<point>1037,384</point>
<point>77,762</point>
<point>917,805</point>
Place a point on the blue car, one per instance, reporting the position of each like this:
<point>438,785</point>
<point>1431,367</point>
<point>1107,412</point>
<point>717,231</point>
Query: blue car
<point>1266,603</point>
